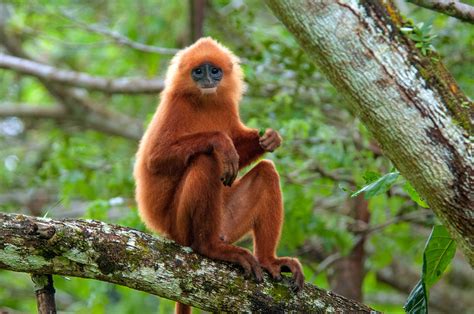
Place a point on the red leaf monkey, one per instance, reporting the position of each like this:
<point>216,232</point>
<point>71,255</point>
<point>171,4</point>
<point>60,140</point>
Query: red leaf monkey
<point>188,161</point>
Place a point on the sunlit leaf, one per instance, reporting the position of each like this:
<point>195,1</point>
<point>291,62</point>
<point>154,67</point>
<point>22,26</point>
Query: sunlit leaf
<point>380,186</point>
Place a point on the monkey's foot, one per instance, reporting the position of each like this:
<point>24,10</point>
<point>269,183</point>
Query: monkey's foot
<point>285,264</point>
<point>250,266</point>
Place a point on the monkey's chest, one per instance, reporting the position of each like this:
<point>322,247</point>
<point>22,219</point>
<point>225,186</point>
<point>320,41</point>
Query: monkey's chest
<point>210,122</point>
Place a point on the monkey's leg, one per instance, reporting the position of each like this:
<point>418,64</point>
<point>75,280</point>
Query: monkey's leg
<point>199,208</point>
<point>255,203</point>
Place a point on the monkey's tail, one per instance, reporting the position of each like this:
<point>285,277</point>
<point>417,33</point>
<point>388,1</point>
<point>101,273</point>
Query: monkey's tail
<point>181,308</point>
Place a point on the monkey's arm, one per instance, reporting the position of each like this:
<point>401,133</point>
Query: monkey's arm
<point>171,157</point>
<point>248,147</point>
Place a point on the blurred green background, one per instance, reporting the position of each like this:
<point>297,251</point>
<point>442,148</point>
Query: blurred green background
<point>63,168</point>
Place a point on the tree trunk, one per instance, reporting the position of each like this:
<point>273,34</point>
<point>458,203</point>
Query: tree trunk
<point>409,102</point>
<point>346,275</point>
<point>92,249</point>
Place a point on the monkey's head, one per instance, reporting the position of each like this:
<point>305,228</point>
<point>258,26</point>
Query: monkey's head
<point>205,69</point>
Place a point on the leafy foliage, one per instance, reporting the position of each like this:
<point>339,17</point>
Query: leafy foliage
<point>421,34</point>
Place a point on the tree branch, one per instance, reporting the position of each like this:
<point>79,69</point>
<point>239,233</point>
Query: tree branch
<point>456,9</point>
<point>86,115</point>
<point>124,85</point>
<point>28,111</point>
<point>96,250</point>
<point>77,104</point>
<point>119,38</point>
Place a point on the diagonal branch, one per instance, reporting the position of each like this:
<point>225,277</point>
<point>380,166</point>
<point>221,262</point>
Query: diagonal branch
<point>456,9</point>
<point>96,250</point>
<point>119,38</point>
<point>49,73</point>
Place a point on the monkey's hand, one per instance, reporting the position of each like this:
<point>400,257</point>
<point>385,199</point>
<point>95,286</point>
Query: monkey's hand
<point>270,140</point>
<point>230,165</point>
<point>227,154</point>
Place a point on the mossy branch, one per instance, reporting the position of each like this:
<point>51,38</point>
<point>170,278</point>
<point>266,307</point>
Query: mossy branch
<point>119,255</point>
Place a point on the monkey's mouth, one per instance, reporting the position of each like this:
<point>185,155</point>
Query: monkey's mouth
<point>208,90</point>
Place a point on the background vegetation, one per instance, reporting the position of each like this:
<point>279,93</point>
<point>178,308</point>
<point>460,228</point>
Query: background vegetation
<point>62,168</point>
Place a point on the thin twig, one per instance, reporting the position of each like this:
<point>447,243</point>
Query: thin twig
<point>119,38</point>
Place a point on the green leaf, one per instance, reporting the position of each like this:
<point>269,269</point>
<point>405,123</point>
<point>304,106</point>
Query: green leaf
<point>439,252</point>
<point>414,195</point>
<point>380,186</point>
<point>370,176</point>
<point>417,301</point>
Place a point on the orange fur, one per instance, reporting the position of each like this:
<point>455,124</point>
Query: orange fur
<point>191,142</point>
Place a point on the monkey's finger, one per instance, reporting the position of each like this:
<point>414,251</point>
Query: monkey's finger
<point>269,140</point>
<point>272,146</point>
<point>266,137</point>
<point>263,138</point>
<point>298,282</point>
<point>227,179</point>
<point>257,272</point>
<point>236,171</point>
<point>269,148</point>
<point>298,277</point>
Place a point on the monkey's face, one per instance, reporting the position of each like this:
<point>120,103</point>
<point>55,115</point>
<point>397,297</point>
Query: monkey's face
<point>207,77</point>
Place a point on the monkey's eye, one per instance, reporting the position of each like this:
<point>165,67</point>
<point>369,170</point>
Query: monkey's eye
<point>216,73</point>
<point>197,71</point>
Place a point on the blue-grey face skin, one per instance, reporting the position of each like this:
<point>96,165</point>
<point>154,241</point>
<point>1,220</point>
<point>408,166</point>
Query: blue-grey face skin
<point>207,76</point>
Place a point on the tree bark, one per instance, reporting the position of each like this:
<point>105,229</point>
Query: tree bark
<point>197,13</point>
<point>92,249</point>
<point>410,104</point>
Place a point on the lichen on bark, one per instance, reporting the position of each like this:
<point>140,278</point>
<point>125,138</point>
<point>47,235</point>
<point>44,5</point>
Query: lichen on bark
<point>92,249</point>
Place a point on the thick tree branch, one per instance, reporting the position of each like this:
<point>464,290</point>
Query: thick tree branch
<point>456,9</point>
<point>49,73</point>
<point>410,103</point>
<point>92,249</point>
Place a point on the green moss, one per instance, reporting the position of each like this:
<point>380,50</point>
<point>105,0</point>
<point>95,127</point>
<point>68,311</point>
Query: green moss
<point>280,293</point>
